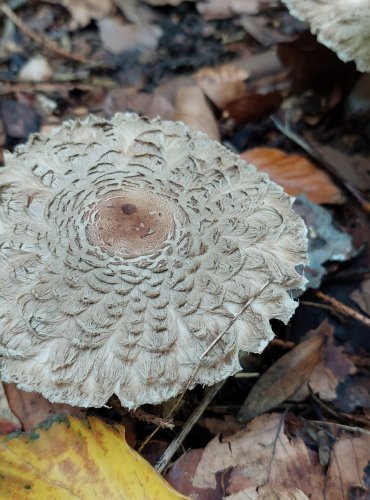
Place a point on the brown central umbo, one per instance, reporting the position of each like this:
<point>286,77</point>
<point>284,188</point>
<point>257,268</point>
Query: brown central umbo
<point>131,223</point>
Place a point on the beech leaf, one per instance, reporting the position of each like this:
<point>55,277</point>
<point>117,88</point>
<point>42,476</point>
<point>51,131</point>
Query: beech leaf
<point>283,378</point>
<point>71,458</point>
<point>296,174</point>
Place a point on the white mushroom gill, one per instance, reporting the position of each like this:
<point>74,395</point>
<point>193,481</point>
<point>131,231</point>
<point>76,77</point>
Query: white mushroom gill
<point>126,247</point>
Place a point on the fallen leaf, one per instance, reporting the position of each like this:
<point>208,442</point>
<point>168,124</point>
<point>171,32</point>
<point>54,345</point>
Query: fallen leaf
<point>8,421</point>
<point>259,456</point>
<point>226,425</point>
<point>333,368</point>
<point>223,9</point>
<point>348,460</point>
<point>296,174</point>
<point>31,408</point>
<point>181,476</point>
<point>353,168</point>
<point>354,393</point>
<point>152,105</point>
<point>160,3</point>
<point>85,11</point>
<point>252,107</point>
<point>326,241</point>
<point>36,69</point>
<point>192,109</point>
<point>269,492</point>
<point>72,458</point>
<point>362,296</point>
<point>313,66</point>
<point>283,378</point>
<point>19,119</point>
<point>222,84</point>
<point>118,37</point>
<point>256,27</point>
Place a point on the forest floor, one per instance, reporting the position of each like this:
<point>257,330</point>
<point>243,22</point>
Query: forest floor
<point>295,423</point>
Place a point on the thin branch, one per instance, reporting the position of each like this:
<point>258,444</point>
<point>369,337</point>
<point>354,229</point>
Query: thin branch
<point>192,420</point>
<point>42,40</point>
<point>341,426</point>
<point>152,419</point>
<point>343,308</point>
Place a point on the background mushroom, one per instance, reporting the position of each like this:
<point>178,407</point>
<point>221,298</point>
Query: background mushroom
<point>342,26</point>
<point>127,247</point>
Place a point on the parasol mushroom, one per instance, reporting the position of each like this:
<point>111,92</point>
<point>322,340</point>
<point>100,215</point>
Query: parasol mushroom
<point>134,252</point>
<point>342,26</point>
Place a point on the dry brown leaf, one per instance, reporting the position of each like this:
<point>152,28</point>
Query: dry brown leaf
<point>353,169</point>
<point>223,9</point>
<point>362,296</point>
<point>252,107</point>
<point>269,492</point>
<point>130,100</point>
<point>84,11</point>
<point>192,109</point>
<point>332,369</point>
<point>261,455</point>
<point>118,37</point>
<point>226,425</point>
<point>283,378</point>
<point>160,3</point>
<point>8,421</point>
<point>222,84</point>
<point>349,457</point>
<point>256,27</point>
<point>296,174</point>
<point>313,66</point>
<point>31,408</point>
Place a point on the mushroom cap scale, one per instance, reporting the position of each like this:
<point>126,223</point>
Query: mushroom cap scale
<point>341,25</point>
<point>126,248</point>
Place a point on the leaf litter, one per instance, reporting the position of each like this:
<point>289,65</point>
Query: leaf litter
<point>305,402</point>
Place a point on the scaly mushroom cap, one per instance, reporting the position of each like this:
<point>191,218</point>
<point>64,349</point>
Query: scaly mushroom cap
<point>341,25</point>
<point>126,247</point>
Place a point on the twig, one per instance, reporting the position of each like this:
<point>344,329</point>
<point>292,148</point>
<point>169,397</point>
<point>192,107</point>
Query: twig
<point>55,86</point>
<point>247,375</point>
<point>317,304</point>
<point>286,344</point>
<point>340,426</point>
<point>343,308</point>
<point>38,38</point>
<point>153,419</point>
<point>217,339</point>
<point>192,420</point>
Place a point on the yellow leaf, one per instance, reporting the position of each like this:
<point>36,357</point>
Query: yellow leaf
<point>72,458</point>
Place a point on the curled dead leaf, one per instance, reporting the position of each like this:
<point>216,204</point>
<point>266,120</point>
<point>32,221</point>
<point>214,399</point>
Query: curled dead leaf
<point>222,84</point>
<point>31,408</point>
<point>192,109</point>
<point>252,107</point>
<point>283,378</point>
<point>296,174</point>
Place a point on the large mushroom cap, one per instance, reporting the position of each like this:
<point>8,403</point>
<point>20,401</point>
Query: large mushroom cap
<point>126,248</point>
<point>341,25</point>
